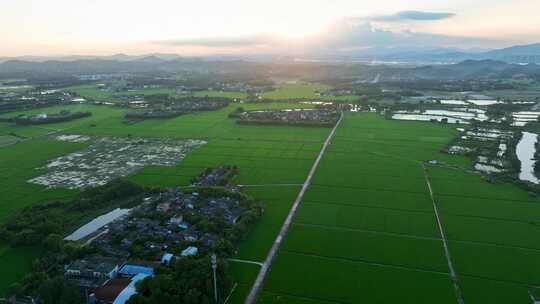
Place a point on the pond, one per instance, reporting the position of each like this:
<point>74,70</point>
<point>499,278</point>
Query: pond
<point>525,151</point>
<point>96,224</point>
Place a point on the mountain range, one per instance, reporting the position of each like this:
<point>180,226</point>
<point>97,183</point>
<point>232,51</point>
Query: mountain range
<point>520,54</point>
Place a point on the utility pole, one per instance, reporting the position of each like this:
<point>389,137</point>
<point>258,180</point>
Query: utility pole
<point>214,267</point>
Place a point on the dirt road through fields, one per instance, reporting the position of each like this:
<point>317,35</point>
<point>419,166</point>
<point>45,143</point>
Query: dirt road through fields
<point>255,289</point>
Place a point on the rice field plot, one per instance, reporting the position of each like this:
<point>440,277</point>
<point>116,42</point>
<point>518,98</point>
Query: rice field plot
<point>489,208</point>
<point>302,90</point>
<point>506,264</point>
<point>342,195</point>
<point>327,280</point>
<point>296,90</point>
<point>477,290</point>
<point>272,298</point>
<point>381,220</point>
<point>366,246</point>
<point>366,219</point>
<point>19,163</point>
<point>493,231</point>
<point>493,235</point>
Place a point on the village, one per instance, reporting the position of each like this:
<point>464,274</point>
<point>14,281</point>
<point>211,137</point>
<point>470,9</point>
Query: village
<point>323,116</point>
<point>206,218</point>
<point>17,101</point>
<point>141,109</point>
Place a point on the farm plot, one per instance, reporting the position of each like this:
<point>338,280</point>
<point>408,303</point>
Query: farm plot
<point>367,219</point>
<point>493,235</point>
<point>324,280</point>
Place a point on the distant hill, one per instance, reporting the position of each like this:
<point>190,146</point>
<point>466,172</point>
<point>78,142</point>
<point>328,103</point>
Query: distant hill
<point>515,54</point>
<point>519,54</point>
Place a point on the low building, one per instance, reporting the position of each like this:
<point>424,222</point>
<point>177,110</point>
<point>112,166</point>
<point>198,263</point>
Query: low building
<point>190,251</point>
<point>117,291</point>
<point>92,271</point>
<point>107,293</point>
<point>167,258</point>
<point>131,270</point>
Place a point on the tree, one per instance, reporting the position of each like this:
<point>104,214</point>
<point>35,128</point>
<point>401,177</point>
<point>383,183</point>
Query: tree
<point>187,280</point>
<point>56,291</point>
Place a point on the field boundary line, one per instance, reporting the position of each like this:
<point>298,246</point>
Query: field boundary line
<point>453,274</point>
<point>488,244</point>
<point>368,189</point>
<point>257,285</point>
<point>363,205</point>
<point>366,262</point>
<point>488,218</point>
<point>404,235</point>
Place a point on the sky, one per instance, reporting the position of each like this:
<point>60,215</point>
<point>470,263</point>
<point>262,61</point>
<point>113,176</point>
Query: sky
<point>203,27</point>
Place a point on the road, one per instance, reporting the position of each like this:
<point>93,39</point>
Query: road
<point>257,285</point>
<point>453,275</point>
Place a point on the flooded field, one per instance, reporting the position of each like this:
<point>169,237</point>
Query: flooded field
<point>524,117</point>
<point>525,151</point>
<point>107,158</point>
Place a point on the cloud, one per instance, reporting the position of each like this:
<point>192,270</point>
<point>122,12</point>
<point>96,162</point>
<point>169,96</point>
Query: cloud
<point>219,42</point>
<point>345,35</point>
<point>411,16</point>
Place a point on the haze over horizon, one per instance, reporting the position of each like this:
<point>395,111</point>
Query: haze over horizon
<point>99,27</point>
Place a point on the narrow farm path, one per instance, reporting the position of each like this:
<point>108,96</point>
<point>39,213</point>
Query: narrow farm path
<point>453,274</point>
<point>246,262</point>
<point>270,185</point>
<point>257,285</point>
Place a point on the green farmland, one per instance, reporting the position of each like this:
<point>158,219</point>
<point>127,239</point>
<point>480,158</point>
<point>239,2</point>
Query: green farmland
<point>265,155</point>
<point>366,231</point>
<point>300,90</point>
<point>93,92</point>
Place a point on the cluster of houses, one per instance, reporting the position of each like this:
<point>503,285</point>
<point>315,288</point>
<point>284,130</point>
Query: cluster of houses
<point>141,109</point>
<point>15,101</point>
<point>166,226</point>
<point>238,87</point>
<point>169,220</point>
<point>44,118</point>
<point>324,116</point>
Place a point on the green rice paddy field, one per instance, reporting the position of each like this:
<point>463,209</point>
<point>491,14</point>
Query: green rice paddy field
<point>365,231</point>
<point>303,90</point>
<point>286,91</point>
